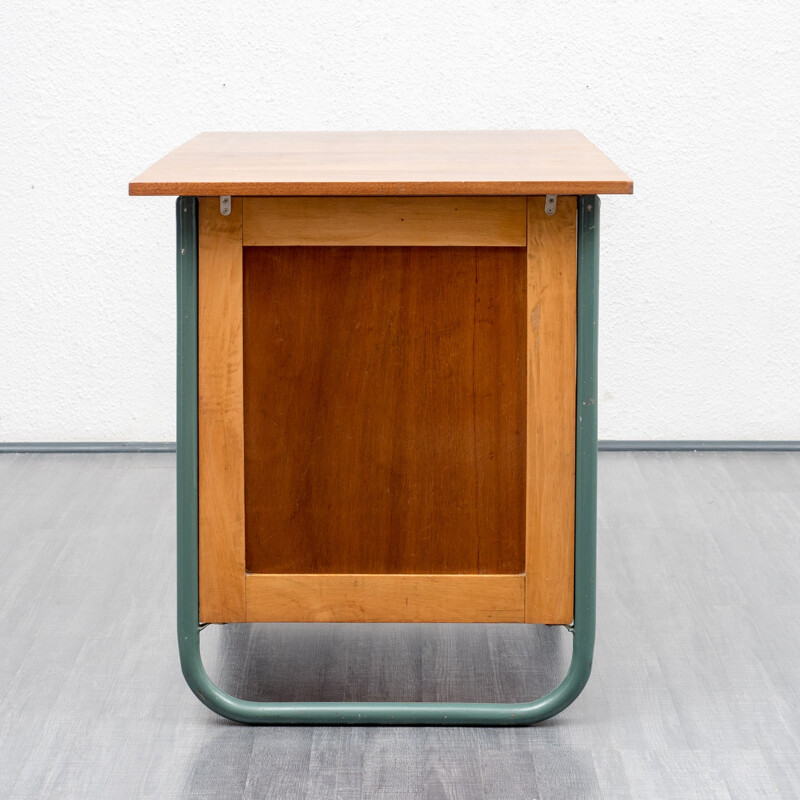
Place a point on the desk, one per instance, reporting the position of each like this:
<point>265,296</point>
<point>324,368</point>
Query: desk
<point>387,360</point>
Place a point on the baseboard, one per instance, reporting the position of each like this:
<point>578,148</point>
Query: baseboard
<point>688,445</point>
<point>616,445</point>
<point>87,447</point>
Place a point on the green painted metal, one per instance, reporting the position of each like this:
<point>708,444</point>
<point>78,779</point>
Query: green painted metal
<point>393,713</point>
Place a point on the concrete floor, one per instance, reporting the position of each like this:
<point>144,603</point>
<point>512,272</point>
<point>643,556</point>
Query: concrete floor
<point>695,692</point>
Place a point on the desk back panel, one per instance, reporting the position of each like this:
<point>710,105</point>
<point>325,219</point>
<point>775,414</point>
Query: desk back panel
<point>384,409</point>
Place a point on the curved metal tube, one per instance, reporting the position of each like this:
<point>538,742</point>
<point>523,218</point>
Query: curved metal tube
<point>392,713</point>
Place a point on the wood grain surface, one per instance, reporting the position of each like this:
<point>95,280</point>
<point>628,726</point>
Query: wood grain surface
<point>439,221</point>
<point>220,403</point>
<point>385,598</point>
<point>385,163</point>
<point>551,335</point>
<point>384,409</point>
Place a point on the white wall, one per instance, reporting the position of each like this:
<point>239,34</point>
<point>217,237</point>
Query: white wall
<point>698,102</point>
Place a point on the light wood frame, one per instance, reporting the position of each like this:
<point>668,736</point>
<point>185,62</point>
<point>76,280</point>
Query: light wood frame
<point>544,594</point>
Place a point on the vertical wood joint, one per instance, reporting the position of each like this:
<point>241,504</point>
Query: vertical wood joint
<point>551,321</point>
<point>220,413</point>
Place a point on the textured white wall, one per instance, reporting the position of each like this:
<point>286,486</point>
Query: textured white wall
<point>698,102</point>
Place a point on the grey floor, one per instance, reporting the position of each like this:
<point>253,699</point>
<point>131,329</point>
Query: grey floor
<point>695,692</point>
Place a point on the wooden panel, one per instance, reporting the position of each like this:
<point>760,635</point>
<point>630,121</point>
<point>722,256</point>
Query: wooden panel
<point>385,409</point>
<point>220,409</point>
<point>385,598</point>
<point>385,163</point>
<point>551,332</point>
<point>479,221</point>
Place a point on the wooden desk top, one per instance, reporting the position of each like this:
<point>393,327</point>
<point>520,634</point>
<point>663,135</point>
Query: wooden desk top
<point>385,163</point>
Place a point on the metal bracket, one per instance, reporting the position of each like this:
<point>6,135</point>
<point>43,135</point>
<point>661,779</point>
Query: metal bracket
<point>550,201</point>
<point>225,205</point>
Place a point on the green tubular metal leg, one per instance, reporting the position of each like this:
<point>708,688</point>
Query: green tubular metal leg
<point>394,713</point>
